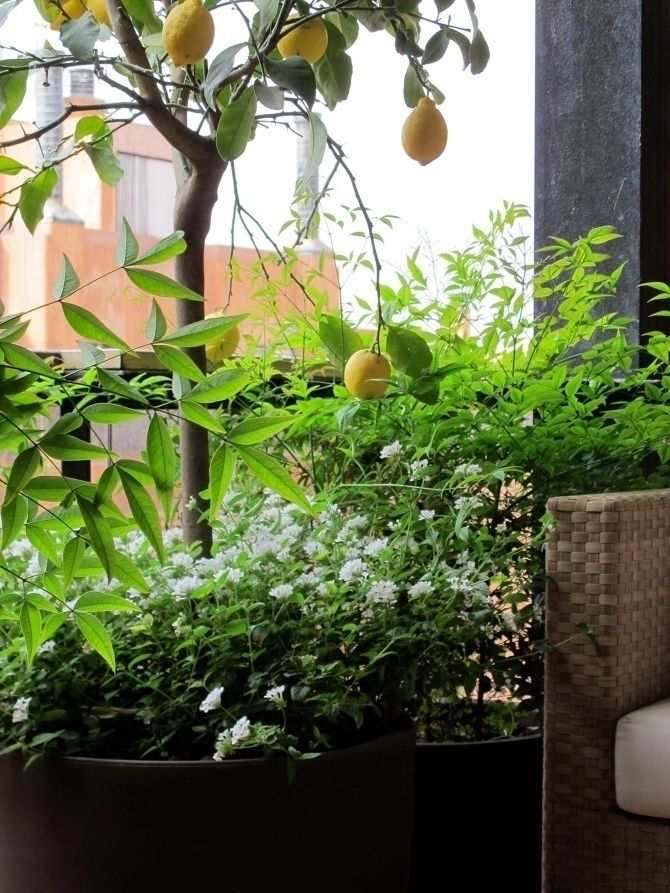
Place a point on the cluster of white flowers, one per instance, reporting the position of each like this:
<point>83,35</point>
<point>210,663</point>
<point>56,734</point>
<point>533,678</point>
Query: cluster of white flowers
<point>284,590</point>
<point>241,731</point>
<point>182,559</point>
<point>423,587</point>
<point>185,586</point>
<point>275,694</point>
<point>180,626</point>
<point>212,701</point>
<point>21,549</point>
<point>466,469</point>
<point>426,514</point>
<point>467,503</point>
<point>46,647</point>
<point>383,592</point>
<point>356,522</point>
<point>417,468</point>
<point>391,450</point>
<point>376,546</point>
<point>355,569</point>
<point>20,709</point>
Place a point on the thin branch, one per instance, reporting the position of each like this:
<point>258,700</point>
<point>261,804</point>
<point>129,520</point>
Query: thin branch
<point>70,110</point>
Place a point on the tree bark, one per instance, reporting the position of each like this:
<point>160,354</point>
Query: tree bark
<point>197,189</point>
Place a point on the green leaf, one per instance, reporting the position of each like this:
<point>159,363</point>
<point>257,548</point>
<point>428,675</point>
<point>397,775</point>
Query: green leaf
<point>463,44</point>
<point>97,637</point>
<point>127,249</point>
<point>105,162</point>
<point>177,361</point>
<point>436,47</point>
<point>334,69</point>
<point>157,284</point>
<point>161,454</point>
<point>12,91</point>
<point>90,125</point>
<point>220,386</point>
<point>73,553</point>
<point>479,53</point>
<point>25,465</point>
<point>144,12</point>
<point>339,339</point>
<point>9,166</point>
<point>197,333</point>
<point>86,324</point>
<point>235,125</point>
<point>80,35</point>
<point>13,515</point>
<point>127,572</point>
<point>258,429</point>
<point>143,510</point>
<point>347,25</point>
<point>107,484</point>
<point>99,534</point>
<point>197,414</point>
<point>318,140</point>
<point>273,475</point>
<point>52,625</point>
<point>221,469</point>
<point>412,89</point>
<point>41,602</point>
<point>270,97</point>
<point>156,324</point>
<point>27,361</point>
<point>267,13</point>
<point>110,413</point>
<point>6,8</point>
<point>138,470</point>
<point>64,424</point>
<point>51,488</point>
<point>408,351</point>
<point>166,249</point>
<point>44,543</point>
<point>220,68</point>
<point>293,74</point>
<point>67,282</point>
<point>64,446</point>
<point>110,381</point>
<point>30,620</point>
<point>95,602</point>
<point>33,196</point>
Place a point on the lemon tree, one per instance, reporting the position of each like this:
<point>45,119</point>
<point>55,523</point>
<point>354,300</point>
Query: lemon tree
<point>208,103</point>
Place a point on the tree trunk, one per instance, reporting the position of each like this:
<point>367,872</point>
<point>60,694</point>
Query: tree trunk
<point>197,190</point>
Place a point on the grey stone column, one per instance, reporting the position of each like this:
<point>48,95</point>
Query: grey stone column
<point>588,128</point>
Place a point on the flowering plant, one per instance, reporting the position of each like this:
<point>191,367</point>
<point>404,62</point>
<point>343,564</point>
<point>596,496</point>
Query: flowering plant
<point>296,636</point>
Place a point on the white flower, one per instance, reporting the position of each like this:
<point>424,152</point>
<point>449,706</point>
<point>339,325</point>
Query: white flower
<point>284,590</point>
<point>179,625</point>
<point>390,450</point>
<point>191,505</point>
<point>20,710</point>
<point>353,570</point>
<point>275,694</point>
<point>382,591</point>
<point>173,535</point>
<point>292,532</point>
<point>467,469</point>
<point>47,646</point>
<point>423,587</point>
<point>234,575</point>
<point>309,578</point>
<point>374,547</point>
<point>184,587</point>
<point>356,522</point>
<point>466,503</point>
<point>426,514</point>
<point>416,468</point>
<point>181,559</point>
<point>311,547</point>
<point>240,731</point>
<point>212,701</point>
<point>322,590</point>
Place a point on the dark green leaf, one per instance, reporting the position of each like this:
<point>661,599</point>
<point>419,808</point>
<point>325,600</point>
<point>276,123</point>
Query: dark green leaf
<point>198,333</point>
<point>73,554</point>
<point>339,339</point>
<point>110,413</point>
<point>13,515</point>
<point>293,74</point>
<point>144,12</point>
<point>334,69</point>
<point>44,543</point>
<point>27,361</point>
<point>479,53</point>
<point>273,475</point>
<point>64,446</point>
<point>25,465</point>
<point>267,12</point>
<point>33,196</point>
<point>99,534</point>
<point>177,361</point>
<point>436,47</point>
<point>97,637</point>
<point>412,89</point>
<point>104,161</point>
<point>12,91</point>
<point>80,36</point>
<point>30,620</point>
<point>161,454</point>
<point>220,68</point>
<point>220,386</point>
<point>258,429</point>
<point>95,602</point>
<point>166,249</point>
<point>156,324</point>
<point>270,97</point>
<point>110,381</point>
<point>143,511</point>
<point>197,414</point>
<point>463,44</point>
<point>409,352</point>
<point>235,125</point>
<point>221,471</point>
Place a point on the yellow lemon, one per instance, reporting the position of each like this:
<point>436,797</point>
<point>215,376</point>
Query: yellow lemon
<point>99,10</point>
<point>188,33</point>
<point>364,374</point>
<point>424,133</point>
<point>309,41</point>
<point>70,9</point>
<point>219,349</point>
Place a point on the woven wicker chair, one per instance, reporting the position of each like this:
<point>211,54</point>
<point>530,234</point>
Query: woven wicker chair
<point>608,563</point>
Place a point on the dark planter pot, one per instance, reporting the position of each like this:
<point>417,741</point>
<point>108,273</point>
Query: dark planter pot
<point>109,826</point>
<point>478,816</point>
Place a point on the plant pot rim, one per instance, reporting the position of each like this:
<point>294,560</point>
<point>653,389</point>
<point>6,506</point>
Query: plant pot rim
<point>507,739</point>
<point>370,746</point>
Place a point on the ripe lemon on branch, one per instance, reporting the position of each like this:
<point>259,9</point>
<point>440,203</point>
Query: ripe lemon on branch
<point>366,374</point>
<point>219,349</point>
<point>308,40</point>
<point>424,133</point>
<point>188,33</point>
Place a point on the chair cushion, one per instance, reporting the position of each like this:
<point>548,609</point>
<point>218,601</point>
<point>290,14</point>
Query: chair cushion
<point>642,761</point>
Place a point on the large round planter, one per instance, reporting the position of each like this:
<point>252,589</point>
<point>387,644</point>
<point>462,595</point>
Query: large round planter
<point>108,826</point>
<point>478,816</point>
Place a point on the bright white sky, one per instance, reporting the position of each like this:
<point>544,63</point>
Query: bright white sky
<point>489,156</point>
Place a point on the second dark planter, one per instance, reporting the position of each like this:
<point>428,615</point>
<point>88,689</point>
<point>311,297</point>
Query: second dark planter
<point>114,826</point>
<point>478,816</point>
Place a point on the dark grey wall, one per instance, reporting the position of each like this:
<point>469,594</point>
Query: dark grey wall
<point>588,125</point>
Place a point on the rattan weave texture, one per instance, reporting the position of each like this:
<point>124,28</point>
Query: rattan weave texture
<point>608,563</point>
